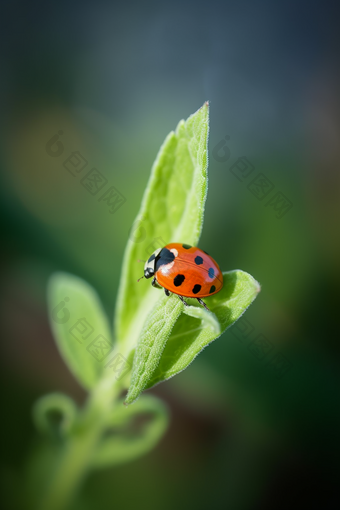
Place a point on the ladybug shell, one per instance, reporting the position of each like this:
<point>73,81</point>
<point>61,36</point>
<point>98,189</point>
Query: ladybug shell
<point>188,271</point>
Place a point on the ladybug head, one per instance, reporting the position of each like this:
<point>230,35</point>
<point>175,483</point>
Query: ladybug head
<point>149,268</point>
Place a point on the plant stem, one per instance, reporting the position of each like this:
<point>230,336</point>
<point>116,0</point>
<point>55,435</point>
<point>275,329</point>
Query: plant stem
<point>75,458</point>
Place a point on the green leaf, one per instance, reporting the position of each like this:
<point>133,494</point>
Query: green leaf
<point>167,347</point>
<point>208,319</point>
<point>155,333</point>
<point>191,335</point>
<point>171,211</point>
<point>54,414</point>
<point>79,325</point>
<point>125,443</point>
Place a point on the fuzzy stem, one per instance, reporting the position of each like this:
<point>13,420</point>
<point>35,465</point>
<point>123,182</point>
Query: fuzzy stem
<point>75,459</point>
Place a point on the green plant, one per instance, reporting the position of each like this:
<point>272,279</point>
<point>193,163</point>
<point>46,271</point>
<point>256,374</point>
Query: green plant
<point>155,335</point>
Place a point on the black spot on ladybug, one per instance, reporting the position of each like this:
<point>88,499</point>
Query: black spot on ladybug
<point>165,257</point>
<point>211,272</point>
<point>179,279</point>
<point>198,260</point>
<point>212,289</point>
<point>196,289</point>
<point>151,258</point>
<point>186,246</point>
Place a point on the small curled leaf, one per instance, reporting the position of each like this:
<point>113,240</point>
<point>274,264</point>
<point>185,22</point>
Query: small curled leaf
<point>127,437</point>
<point>54,415</point>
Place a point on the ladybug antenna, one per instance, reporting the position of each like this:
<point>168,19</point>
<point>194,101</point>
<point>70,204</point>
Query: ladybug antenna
<point>139,260</point>
<point>140,278</point>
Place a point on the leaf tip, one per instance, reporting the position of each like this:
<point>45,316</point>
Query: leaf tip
<point>129,400</point>
<point>206,105</point>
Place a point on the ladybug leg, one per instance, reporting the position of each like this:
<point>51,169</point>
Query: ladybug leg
<point>202,303</point>
<point>183,301</point>
<point>167,292</point>
<point>155,283</point>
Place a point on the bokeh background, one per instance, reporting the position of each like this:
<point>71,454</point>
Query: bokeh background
<point>250,428</point>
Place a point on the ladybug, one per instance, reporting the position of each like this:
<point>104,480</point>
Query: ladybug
<point>184,270</point>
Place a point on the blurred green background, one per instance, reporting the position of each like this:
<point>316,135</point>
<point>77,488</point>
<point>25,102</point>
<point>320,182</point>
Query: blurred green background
<point>116,78</point>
